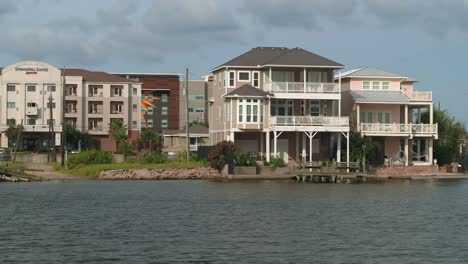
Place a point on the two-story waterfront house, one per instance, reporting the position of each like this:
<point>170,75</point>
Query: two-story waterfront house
<point>385,106</point>
<point>279,102</point>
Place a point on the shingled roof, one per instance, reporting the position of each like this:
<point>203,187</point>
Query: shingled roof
<point>247,90</point>
<point>280,56</point>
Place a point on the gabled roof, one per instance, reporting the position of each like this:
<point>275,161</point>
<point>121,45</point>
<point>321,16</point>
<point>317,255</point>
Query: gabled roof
<point>92,76</point>
<point>365,72</point>
<point>247,90</point>
<point>280,56</point>
<point>387,97</point>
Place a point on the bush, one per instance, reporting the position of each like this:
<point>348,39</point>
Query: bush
<point>155,158</point>
<point>90,157</point>
<point>217,155</point>
<point>277,163</point>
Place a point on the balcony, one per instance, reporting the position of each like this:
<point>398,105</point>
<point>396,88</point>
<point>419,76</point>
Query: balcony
<point>306,123</point>
<point>420,96</point>
<point>303,90</point>
<point>396,129</point>
<point>31,110</point>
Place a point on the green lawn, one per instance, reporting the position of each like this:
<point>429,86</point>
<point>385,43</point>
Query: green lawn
<point>12,165</point>
<point>93,170</point>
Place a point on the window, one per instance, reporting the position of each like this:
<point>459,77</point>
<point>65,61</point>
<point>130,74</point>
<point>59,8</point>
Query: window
<point>51,88</point>
<point>385,85</point>
<point>11,87</point>
<point>314,108</point>
<point>31,122</point>
<point>134,124</point>
<point>150,110</point>
<point>366,85</point>
<point>325,77</point>
<point>48,105</point>
<point>383,118</point>
<point>164,110</point>
<point>134,108</point>
<point>31,88</point>
<point>164,97</point>
<point>366,117</point>
<point>250,111</point>
<point>375,85</point>
<point>164,123</point>
<point>11,104</point>
<point>190,109</point>
<point>70,90</point>
<point>243,76</point>
<point>134,91</point>
<point>200,110</point>
<point>302,108</point>
<point>51,122</point>
<point>31,104</point>
<point>150,123</point>
<point>256,79</point>
<point>116,108</point>
<point>116,90</point>
<point>200,97</point>
<point>232,79</point>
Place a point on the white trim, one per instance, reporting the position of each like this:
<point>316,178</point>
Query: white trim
<point>253,79</point>
<point>238,76</point>
<point>301,66</point>
<point>228,80</point>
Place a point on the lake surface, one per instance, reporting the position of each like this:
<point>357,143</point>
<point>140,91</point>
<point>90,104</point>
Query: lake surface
<point>233,222</point>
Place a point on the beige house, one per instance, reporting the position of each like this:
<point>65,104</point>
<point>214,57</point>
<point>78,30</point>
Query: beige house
<point>33,92</point>
<point>279,102</point>
<point>385,106</point>
<point>199,93</point>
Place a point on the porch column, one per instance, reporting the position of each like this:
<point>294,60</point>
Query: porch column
<point>271,80</point>
<point>347,149</point>
<point>297,146</point>
<point>268,152</point>
<point>431,113</point>
<point>406,114</point>
<point>275,142</point>
<point>304,146</point>
<point>358,117</point>
<point>304,79</point>
<point>338,148</point>
<point>406,152</point>
<point>431,149</point>
<point>261,143</point>
<point>418,148</point>
<point>339,90</point>
<point>310,148</point>
<point>231,136</point>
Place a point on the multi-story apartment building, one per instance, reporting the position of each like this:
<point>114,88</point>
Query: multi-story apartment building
<point>199,93</point>
<point>162,90</point>
<point>385,106</point>
<point>92,101</point>
<point>279,102</point>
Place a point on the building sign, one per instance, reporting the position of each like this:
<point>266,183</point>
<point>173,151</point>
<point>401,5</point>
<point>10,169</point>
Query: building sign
<point>31,70</point>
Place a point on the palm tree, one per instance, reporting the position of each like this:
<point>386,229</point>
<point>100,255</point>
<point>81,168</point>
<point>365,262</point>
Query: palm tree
<point>118,132</point>
<point>12,131</point>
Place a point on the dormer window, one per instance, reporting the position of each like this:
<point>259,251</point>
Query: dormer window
<point>365,85</point>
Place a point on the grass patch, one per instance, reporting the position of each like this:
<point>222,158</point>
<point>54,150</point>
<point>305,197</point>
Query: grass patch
<point>92,171</point>
<point>13,165</point>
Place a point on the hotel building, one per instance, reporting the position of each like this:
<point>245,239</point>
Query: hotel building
<point>31,90</point>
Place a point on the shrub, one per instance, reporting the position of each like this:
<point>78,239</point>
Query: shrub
<point>217,155</point>
<point>277,163</point>
<point>155,158</point>
<point>90,157</point>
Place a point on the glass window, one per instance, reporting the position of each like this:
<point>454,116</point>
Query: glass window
<point>11,104</point>
<point>380,117</point>
<point>365,85</point>
<point>244,76</point>
<point>385,85</point>
<point>362,116</point>
<point>164,97</point>
<point>256,79</point>
<point>150,122</point>
<point>255,113</point>
<point>11,88</point>
<point>199,97</point>
<point>48,105</point>
<point>250,111</point>
<point>241,112</point>
<point>232,79</point>
<point>164,110</point>
<point>200,110</point>
<point>134,108</point>
<point>134,91</point>
<point>31,122</point>
<point>369,117</point>
<point>31,88</point>
<point>134,124</point>
<point>164,123</point>
<point>150,110</point>
<point>190,109</point>
<point>314,108</point>
<point>325,76</point>
<point>51,88</point>
<point>375,85</point>
<point>387,118</point>
<point>314,76</point>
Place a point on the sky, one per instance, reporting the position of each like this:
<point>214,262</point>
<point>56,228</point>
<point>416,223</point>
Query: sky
<point>424,39</point>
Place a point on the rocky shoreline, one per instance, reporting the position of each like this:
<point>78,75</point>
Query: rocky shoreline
<point>160,174</point>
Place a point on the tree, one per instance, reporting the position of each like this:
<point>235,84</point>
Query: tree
<point>12,131</point>
<point>360,146</point>
<point>79,140</point>
<point>451,134</point>
<point>118,132</point>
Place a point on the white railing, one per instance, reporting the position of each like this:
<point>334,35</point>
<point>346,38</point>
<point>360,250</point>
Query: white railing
<point>301,87</point>
<point>421,96</point>
<point>332,121</point>
<point>396,128</point>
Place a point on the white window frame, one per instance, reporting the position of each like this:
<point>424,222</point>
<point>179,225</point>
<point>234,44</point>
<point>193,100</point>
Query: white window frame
<point>310,107</point>
<point>11,105</point>
<point>164,110</point>
<point>239,73</point>
<point>233,79</point>
<point>243,104</point>
<point>373,86</point>
<point>368,85</point>
<point>383,115</point>
<point>387,86</point>
<point>258,79</point>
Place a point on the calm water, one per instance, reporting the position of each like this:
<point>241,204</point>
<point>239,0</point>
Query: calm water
<point>233,222</point>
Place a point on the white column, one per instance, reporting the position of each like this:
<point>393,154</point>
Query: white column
<point>338,148</point>
<point>431,149</point>
<point>347,149</point>
<point>339,89</point>
<point>268,152</point>
<point>262,149</point>
<point>418,148</point>
<point>297,146</point>
<point>305,76</point>
<point>310,148</point>
<point>358,117</point>
<point>431,113</point>
<point>271,80</point>
<point>275,143</point>
<point>304,146</point>
<point>406,114</point>
<point>231,136</point>
<point>406,152</point>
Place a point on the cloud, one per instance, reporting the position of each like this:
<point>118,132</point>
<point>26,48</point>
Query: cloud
<point>7,7</point>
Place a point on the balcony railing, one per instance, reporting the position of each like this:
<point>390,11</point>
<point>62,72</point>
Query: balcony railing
<point>395,128</point>
<point>331,121</point>
<point>301,87</point>
<point>421,96</point>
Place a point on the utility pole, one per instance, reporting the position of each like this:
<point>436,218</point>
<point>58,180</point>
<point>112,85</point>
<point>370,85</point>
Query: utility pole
<point>51,129</point>
<point>187,123</point>
<point>20,128</point>
<point>64,131</point>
